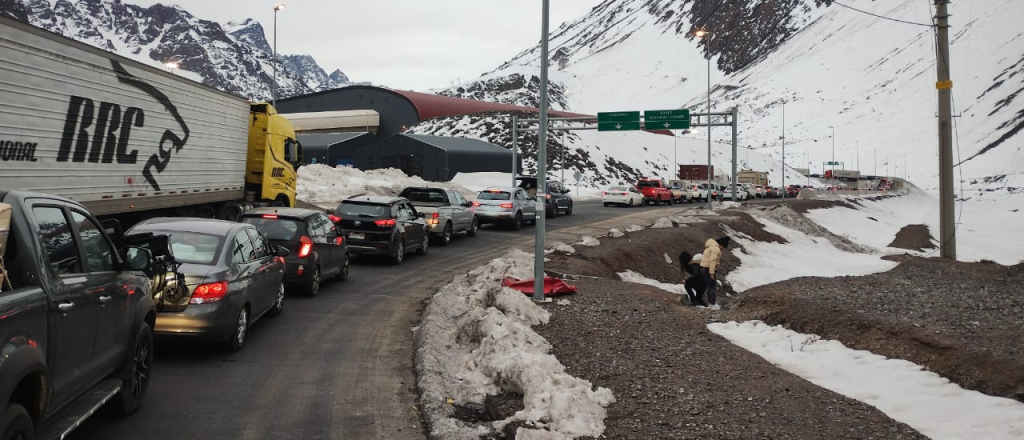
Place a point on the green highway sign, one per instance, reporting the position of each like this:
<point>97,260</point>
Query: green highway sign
<point>833,163</point>
<point>618,121</point>
<point>667,119</point>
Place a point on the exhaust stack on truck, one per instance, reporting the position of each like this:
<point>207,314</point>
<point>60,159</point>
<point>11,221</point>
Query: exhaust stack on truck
<point>130,141</point>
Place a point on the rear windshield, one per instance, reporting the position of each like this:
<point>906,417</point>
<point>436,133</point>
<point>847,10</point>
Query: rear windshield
<point>494,195</point>
<point>366,210</point>
<point>193,247</point>
<point>616,188</point>
<point>428,195</point>
<point>278,228</point>
<point>647,184</point>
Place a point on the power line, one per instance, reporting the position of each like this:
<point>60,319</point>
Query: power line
<point>881,16</point>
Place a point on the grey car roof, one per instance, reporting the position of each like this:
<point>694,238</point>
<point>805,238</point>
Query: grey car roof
<point>287,212</point>
<point>384,200</point>
<point>188,224</point>
<point>502,188</point>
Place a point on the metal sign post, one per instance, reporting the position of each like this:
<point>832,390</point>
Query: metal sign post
<point>542,157</point>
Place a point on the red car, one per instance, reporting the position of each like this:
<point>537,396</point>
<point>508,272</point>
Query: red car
<point>655,191</point>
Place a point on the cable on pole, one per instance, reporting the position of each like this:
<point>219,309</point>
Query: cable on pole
<point>882,16</point>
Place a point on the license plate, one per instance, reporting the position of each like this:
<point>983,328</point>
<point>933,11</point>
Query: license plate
<point>356,235</point>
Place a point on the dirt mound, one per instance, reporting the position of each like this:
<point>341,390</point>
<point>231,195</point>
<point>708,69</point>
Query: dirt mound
<point>913,237</point>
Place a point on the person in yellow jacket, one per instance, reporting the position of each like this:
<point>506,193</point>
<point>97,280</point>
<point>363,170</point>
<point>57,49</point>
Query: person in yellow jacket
<point>709,262</point>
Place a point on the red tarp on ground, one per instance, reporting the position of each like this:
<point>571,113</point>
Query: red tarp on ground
<point>552,286</point>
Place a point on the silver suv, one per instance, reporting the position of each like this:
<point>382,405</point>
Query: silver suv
<point>507,205</point>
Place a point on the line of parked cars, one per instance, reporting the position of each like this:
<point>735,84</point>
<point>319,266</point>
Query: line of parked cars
<point>658,191</point>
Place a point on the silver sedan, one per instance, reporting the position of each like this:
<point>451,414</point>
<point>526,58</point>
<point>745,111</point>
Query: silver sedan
<point>506,205</point>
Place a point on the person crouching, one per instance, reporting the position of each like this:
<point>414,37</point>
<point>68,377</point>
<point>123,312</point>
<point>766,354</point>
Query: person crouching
<point>709,262</point>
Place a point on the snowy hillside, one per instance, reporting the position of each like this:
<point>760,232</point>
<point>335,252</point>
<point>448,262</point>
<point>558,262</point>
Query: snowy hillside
<point>234,57</point>
<point>872,79</point>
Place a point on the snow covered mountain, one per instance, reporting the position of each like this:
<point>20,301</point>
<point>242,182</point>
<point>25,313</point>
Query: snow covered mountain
<point>234,57</point>
<point>871,78</point>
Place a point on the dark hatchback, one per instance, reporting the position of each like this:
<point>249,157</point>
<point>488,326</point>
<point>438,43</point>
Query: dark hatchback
<point>316,250</point>
<point>382,226</point>
<point>557,198</point>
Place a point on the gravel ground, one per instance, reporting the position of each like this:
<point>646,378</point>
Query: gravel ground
<point>672,378</point>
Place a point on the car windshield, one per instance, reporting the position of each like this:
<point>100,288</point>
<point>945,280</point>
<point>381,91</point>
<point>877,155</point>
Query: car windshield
<point>354,209</point>
<point>617,188</point>
<point>494,195</point>
<point>193,247</point>
<point>277,228</point>
<point>647,184</point>
<point>429,195</point>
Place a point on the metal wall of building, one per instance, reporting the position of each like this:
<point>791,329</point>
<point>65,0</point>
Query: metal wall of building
<point>396,111</point>
<point>413,157</point>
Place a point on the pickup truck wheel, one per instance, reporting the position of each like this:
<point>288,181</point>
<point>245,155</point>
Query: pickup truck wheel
<point>17,424</point>
<point>446,235</point>
<point>237,339</point>
<point>278,306</point>
<point>135,385</point>
<point>399,253</point>
<point>657,201</point>
<point>473,227</point>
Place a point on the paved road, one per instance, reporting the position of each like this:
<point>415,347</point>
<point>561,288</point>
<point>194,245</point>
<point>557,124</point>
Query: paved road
<point>338,366</point>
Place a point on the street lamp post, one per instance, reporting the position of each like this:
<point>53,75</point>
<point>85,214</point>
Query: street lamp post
<point>701,33</point>
<point>278,7</point>
<point>783,148</point>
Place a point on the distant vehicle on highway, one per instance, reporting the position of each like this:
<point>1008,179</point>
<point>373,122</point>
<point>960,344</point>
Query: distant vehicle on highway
<point>382,226</point>
<point>559,200</point>
<point>233,277</point>
<point>506,205</point>
<point>623,195</point>
<point>655,191</point>
<point>447,212</point>
<point>741,193</point>
<point>315,249</point>
<point>759,191</point>
<point>681,192</point>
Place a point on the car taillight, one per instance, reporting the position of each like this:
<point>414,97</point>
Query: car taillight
<point>622,194</point>
<point>475,204</point>
<point>270,216</point>
<point>434,219</point>
<point>506,205</point>
<point>334,218</point>
<point>339,240</point>
<point>305,246</point>
<point>209,292</point>
<point>547,196</point>
<point>387,223</point>
<point>604,192</point>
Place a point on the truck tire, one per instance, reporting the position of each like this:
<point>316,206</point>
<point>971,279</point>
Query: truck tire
<point>16,424</point>
<point>446,235</point>
<point>230,212</point>
<point>134,387</point>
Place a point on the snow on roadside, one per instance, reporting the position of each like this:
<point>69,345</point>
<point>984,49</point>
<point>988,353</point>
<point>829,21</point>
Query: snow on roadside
<point>557,246</point>
<point>803,255</point>
<point>587,240</point>
<point>663,223</point>
<point>902,390</point>
<point>634,228</point>
<point>615,232</point>
<point>475,340</point>
<point>668,259</point>
<point>327,186</point>
<point>633,277</point>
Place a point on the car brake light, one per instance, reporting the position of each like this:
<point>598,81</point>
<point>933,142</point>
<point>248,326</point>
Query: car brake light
<point>605,193</point>
<point>547,196</point>
<point>305,246</point>
<point>434,219</point>
<point>506,205</point>
<point>475,204</point>
<point>270,216</point>
<point>387,223</point>
<point>334,218</point>
<point>209,292</point>
<point>339,240</point>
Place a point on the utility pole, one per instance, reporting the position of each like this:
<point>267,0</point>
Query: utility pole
<point>515,140</point>
<point>542,157</point>
<point>947,219</point>
<point>783,148</point>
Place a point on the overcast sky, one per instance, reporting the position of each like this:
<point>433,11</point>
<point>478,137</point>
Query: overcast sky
<point>406,44</point>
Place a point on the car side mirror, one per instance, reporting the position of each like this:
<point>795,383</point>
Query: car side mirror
<point>138,259</point>
<point>421,214</point>
<point>281,251</point>
<point>468,204</point>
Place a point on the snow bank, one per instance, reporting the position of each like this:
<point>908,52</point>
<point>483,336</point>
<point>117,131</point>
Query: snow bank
<point>663,223</point>
<point>614,232</point>
<point>634,228</point>
<point>632,277</point>
<point>557,246</point>
<point>481,181</point>
<point>475,340</point>
<point>804,255</point>
<point>587,240</point>
<point>326,186</point>
<point>902,390</point>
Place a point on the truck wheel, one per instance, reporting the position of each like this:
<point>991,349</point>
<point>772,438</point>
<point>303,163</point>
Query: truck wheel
<point>473,227</point>
<point>446,235</point>
<point>237,339</point>
<point>16,424</point>
<point>657,201</point>
<point>134,387</point>
<point>230,212</point>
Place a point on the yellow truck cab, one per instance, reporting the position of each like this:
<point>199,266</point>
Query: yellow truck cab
<point>273,157</point>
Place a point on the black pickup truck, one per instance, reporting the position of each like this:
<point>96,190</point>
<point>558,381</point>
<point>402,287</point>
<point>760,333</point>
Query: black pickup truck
<point>76,317</point>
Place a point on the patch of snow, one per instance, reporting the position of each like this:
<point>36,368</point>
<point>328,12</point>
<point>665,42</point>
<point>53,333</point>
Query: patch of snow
<point>668,259</point>
<point>634,228</point>
<point>804,255</point>
<point>481,181</point>
<point>587,240</point>
<point>902,390</point>
<point>327,186</point>
<point>558,246</point>
<point>475,340</point>
<point>663,223</point>
<point>614,232</point>
<point>563,302</point>
<point>633,277</point>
